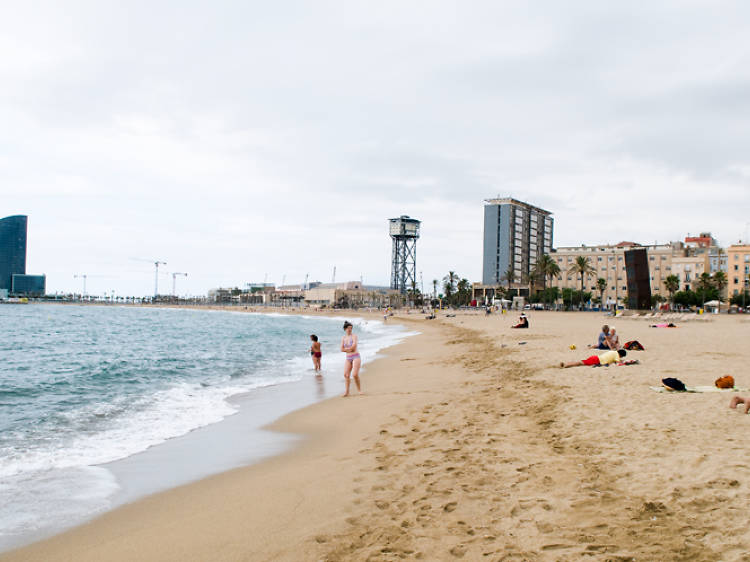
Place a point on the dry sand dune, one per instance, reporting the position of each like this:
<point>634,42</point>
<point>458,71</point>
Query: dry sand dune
<point>469,445</point>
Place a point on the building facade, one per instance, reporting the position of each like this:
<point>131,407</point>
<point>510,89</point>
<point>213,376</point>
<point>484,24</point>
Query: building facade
<point>738,268</point>
<point>608,262</point>
<point>12,249</point>
<point>28,285</point>
<point>516,234</point>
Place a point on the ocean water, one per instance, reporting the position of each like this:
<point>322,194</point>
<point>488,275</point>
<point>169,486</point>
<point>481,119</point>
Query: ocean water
<point>82,386</point>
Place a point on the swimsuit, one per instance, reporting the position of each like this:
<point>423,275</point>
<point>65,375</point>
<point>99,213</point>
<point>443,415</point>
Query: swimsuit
<point>317,354</point>
<point>353,356</point>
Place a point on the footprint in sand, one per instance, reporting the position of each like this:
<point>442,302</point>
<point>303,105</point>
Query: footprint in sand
<point>450,506</point>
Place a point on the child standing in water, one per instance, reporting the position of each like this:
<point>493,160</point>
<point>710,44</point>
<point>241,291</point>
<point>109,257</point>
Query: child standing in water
<point>315,352</point>
<point>353,360</point>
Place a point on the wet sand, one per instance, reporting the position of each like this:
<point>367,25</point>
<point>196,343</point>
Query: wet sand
<point>469,445</point>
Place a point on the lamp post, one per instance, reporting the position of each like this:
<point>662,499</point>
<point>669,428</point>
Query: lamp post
<point>614,268</point>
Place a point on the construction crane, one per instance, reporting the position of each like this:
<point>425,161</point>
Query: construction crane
<point>156,263</point>
<point>83,276</point>
<point>174,277</point>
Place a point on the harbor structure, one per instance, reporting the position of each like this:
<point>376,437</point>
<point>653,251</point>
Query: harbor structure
<point>516,235</point>
<point>404,232</point>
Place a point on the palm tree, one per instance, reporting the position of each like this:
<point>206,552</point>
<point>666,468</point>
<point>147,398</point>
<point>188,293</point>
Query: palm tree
<point>672,283</point>
<point>546,266</point>
<point>510,277</point>
<point>434,288</point>
<point>449,285</point>
<point>463,287</point>
<point>582,266</point>
<point>720,281</point>
<point>705,283</point>
<point>601,284</point>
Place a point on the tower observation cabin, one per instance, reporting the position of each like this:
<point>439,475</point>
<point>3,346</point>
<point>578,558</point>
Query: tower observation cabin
<point>404,232</point>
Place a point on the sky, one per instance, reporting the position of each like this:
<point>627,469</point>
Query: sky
<point>247,141</point>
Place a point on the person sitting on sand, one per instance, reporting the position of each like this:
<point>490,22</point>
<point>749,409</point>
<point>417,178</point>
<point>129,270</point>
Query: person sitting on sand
<point>601,342</point>
<point>740,400</point>
<point>613,340</point>
<point>315,352</point>
<point>523,322</point>
<point>606,358</point>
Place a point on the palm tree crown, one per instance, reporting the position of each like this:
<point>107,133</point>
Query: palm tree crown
<point>582,266</point>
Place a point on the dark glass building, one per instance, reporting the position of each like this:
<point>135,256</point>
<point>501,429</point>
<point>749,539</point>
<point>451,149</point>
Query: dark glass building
<point>29,285</point>
<point>12,249</point>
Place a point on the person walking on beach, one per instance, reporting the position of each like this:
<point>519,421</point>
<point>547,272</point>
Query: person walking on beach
<point>315,352</point>
<point>353,360</point>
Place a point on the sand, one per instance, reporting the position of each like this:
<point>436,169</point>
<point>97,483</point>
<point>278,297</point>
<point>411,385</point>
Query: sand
<point>469,445</point>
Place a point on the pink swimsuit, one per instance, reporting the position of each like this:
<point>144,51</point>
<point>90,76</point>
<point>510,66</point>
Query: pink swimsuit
<point>353,356</point>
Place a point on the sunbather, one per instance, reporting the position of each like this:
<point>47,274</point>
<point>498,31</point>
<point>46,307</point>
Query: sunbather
<point>606,358</point>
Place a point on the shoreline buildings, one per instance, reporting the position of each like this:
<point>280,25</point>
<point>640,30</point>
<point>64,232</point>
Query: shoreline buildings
<point>13,278</point>
<point>516,235</point>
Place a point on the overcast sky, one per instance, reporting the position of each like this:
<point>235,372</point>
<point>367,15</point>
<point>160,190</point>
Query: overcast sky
<point>239,141</point>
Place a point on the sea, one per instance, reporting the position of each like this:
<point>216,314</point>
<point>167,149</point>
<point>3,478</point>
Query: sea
<point>100,405</point>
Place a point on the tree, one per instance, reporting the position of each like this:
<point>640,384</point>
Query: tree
<point>582,266</point>
<point>601,284</point>
<point>510,277</point>
<point>720,281</point>
<point>672,283</point>
<point>704,284</point>
<point>545,267</point>
<point>463,288</point>
<point>434,288</point>
<point>449,285</point>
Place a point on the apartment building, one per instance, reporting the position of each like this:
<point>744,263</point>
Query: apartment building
<point>608,261</point>
<point>516,234</point>
<point>738,268</point>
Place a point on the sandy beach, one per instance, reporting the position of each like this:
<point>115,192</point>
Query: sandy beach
<point>470,442</point>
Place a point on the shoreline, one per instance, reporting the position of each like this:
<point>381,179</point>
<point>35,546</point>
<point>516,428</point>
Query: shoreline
<point>173,462</point>
<point>467,444</point>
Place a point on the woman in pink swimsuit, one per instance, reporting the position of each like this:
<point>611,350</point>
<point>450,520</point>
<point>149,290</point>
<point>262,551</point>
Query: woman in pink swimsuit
<point>353,360</point>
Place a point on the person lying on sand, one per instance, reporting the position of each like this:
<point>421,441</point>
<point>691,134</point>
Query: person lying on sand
<point>606,358</point>
<point>601,342</point>
<point>662,325</point>
<point>740,400</point>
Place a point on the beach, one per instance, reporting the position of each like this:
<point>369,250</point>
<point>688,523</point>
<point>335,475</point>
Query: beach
<point>470,442</point>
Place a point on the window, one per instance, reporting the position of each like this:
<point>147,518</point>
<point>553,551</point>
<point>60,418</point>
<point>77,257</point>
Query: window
<point>736,267</point>
<point>736,281</point>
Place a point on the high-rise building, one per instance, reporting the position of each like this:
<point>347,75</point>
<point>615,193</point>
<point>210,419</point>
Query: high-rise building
<point>12,249</point>
<point>516,234</point>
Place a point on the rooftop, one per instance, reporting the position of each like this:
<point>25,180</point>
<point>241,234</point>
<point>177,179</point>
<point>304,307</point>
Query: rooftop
<point>511,201</point>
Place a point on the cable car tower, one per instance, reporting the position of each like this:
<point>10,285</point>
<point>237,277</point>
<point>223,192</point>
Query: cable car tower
<point>404,232</point>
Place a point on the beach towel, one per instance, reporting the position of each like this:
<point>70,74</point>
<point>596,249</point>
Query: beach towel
<point>698,389</point>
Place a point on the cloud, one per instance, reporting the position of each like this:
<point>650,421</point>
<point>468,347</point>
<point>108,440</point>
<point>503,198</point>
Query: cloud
<point>244,140</point>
